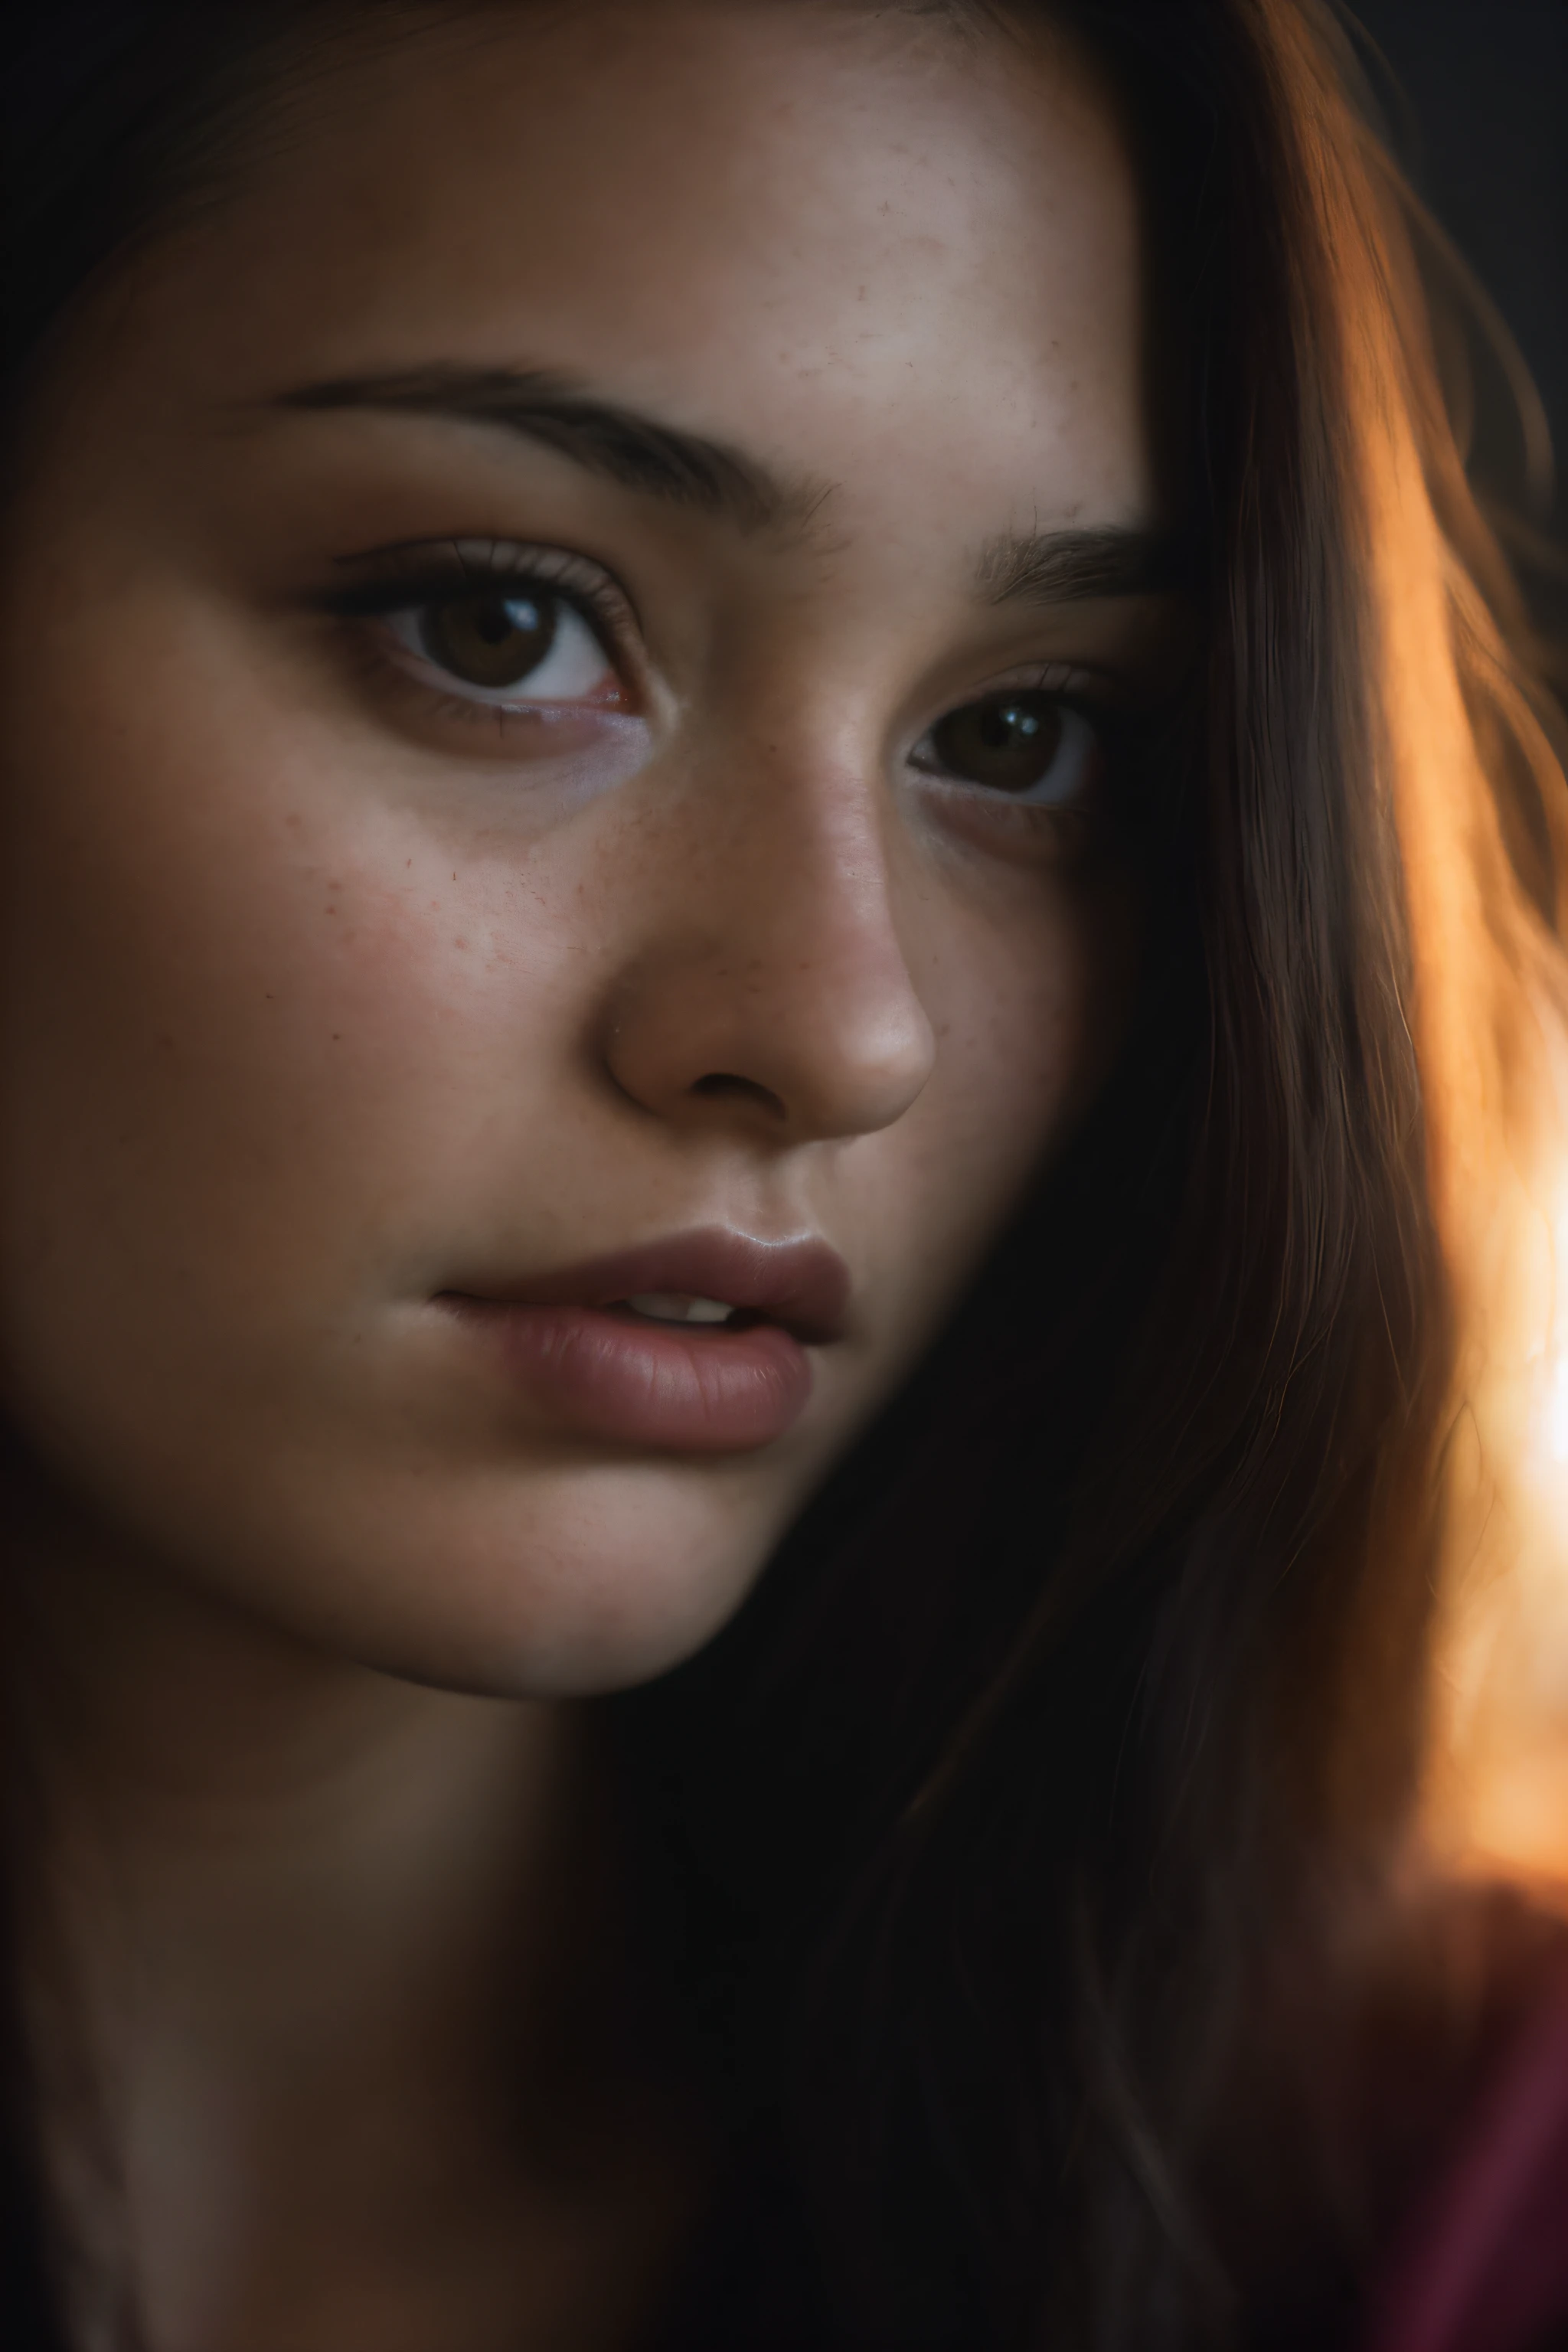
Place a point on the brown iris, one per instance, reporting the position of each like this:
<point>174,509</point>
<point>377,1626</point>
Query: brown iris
<point>1007,744</point>
<point>489,640</point>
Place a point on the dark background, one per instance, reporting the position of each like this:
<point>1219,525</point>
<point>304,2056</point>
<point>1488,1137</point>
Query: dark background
<point>1478,106</point>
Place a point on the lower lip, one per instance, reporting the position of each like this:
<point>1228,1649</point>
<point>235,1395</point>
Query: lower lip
<point>673,1387</point>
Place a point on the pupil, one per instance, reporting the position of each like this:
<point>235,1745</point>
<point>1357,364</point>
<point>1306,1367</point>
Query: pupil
<point>488,640</point>
<point>1002,727</point>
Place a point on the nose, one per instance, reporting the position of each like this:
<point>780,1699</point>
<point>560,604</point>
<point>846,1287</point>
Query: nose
<point>771,991</point>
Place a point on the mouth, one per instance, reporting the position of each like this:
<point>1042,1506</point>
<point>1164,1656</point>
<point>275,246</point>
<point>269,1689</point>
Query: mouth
<point>697,1344</point>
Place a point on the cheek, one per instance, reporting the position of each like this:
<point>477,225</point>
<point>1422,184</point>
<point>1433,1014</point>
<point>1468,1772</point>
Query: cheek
<point>255,1017</point>
<point>1038,1014</point>
<point>1029,991</point>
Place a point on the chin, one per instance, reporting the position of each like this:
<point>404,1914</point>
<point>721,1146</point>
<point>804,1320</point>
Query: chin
<point>571,1585</point>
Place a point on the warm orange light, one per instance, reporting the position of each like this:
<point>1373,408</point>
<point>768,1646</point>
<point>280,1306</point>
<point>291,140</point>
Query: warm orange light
<point>1553,1434</point>
<point>1497,1798</point>
<point>1486,1003</point>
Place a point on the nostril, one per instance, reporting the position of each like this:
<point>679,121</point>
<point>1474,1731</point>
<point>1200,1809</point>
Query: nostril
<point>724,1085</point>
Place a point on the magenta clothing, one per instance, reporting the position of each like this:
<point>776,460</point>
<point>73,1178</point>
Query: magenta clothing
<point>1483,2264</point>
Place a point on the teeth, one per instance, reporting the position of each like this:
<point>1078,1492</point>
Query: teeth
<point>676,1307</point>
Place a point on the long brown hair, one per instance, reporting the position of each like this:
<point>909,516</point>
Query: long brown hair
<point>1086,1733</point>
<point>1053,1795</point>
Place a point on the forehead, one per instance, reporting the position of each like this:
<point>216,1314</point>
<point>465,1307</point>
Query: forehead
<point>831,233</point>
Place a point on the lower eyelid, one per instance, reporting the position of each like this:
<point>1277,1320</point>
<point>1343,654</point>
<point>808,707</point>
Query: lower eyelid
<point>389,674</point>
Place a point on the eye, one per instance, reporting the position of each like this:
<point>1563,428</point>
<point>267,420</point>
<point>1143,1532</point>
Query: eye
<point>530,646</point>
<point>1030,745</point>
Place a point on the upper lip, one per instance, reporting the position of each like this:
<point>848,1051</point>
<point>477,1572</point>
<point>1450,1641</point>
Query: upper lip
<point>803,1285</point>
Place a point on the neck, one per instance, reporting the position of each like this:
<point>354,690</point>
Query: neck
<point>304,1950</point>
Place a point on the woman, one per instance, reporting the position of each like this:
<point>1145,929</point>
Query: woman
<point>767,800</point>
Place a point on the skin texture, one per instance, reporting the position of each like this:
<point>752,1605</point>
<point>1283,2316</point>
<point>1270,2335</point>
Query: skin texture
<point>323,998</point>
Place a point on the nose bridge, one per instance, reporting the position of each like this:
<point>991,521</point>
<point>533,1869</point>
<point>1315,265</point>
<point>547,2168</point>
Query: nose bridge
<point>811,862</point>
<point>776,985</point>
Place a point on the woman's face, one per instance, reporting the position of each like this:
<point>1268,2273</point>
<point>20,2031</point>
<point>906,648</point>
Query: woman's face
<point>539,811</point>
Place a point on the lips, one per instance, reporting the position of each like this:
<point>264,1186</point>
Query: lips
<point>594,1367</point>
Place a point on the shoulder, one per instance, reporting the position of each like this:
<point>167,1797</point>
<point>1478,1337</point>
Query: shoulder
<point>1482,2263</point>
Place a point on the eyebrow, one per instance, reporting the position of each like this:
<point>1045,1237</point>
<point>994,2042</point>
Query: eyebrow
<point>1067,567</point>
<point>620,444</point>
<point>643,454</point>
